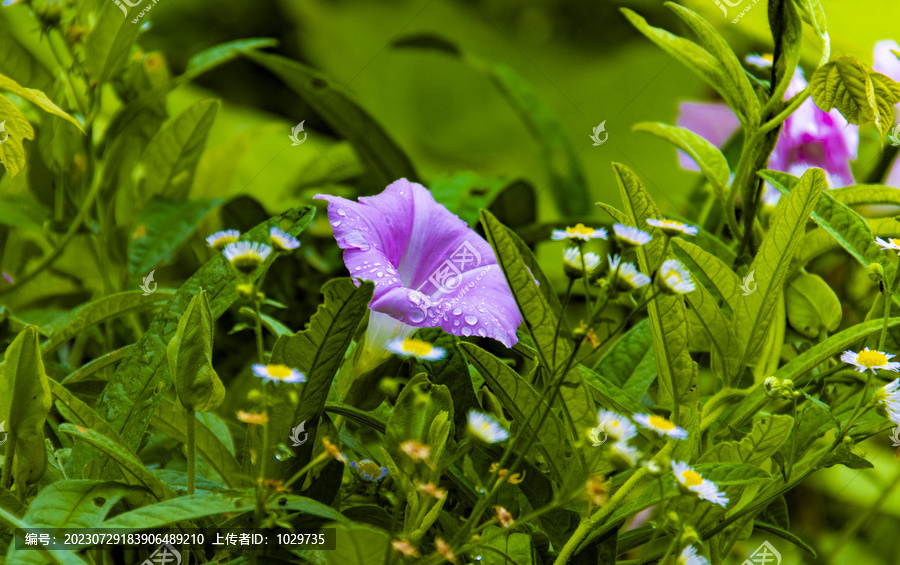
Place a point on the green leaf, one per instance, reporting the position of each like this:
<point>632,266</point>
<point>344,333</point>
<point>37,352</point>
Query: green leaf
<point>754,312</point>
<point>446,372</point>
<point>37,98</point>
<point>27,557</point>
<point>860,94</point>
<point>812,307</point>
<point>767,435</point>
<point>784,534</point>
<point>668,317</point>
<point>222,53</point>
<point>699,262</point>
<point>787,27</point>
<point>419,403</point>
<point>137,387</point>
<point>25,402</point>
<point>384,159</point>
<point>846,226</point>
<point>190,358</point>
<point>17,127</point>
<point>705,65</point>
<point>843,455</point>
<point>725,474</point>
<point>813,14</point>
<point>705,154</point>
<point>619,362</point>
<point>80,413</point>
<point>170,158</point>
<point>466,193</point>
<point>132,467</point>
<point>161,227</point>
<point>359,544</point>
<point>318,352</point>
<point>867,195</point>
<point>108,45</point>
<point>88,370</point>
<point>210,504</point>
<point>725,351</point>
<point>518,397</point>
<point>16,59</point>
<point>610,396</point>
<point>506,547</point>
<point>567,180</point>
<point>98,311</point>
<point>74,504</point>
<point>172,421</point>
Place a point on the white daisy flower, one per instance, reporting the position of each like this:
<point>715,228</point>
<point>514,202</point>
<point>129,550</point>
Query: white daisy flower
<point>892,244</point>
<point>689,557</point>
<point>675,278</point>
<point>617,426</point>
<point>624,455</point>
<point>671,227</point>
<point>660,425</point>
<point>870,359</point>
<point>278,373</point>
<point>283,241</point>
<point>486,428</point>
<point>887,399</point>
<point>628,277</point>
<point>579,232</point>
<point>690,480</point>
<point>220,239</point>
<point>246,256</point>
<point>421,350</point>
<point>631,237</point>
<point>572,262</point>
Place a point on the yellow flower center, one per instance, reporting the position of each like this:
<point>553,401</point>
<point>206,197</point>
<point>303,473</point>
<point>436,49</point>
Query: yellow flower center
<point>895,241</point>
<point>691,478</point>
<point>279,371</point>
<point>417,347</point>
<point>661,423</point>
<point>672,273</point>
<point>580,229</point>
<point>871,359</point>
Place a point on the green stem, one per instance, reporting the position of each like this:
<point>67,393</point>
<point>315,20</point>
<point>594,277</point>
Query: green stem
<point>793,104</point>
<point>587,524</point>
<point>584,278</point>
<point>8,461</point>
<point>888,299</point>
<point>191,446</point>
<point>258,329</point>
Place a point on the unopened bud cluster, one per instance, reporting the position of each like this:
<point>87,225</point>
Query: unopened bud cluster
<point>781,388</point>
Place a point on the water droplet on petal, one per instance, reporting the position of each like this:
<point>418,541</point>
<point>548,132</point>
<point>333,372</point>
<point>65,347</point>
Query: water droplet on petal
<point>471,320</point>
<point>455,322</point>
<point>467,331</point>
<point>341,212</point>
<point>380,274</point>
<point>457,311</point>
<point>482,332</point>
<point>417,316</point>
<point>336,223</point>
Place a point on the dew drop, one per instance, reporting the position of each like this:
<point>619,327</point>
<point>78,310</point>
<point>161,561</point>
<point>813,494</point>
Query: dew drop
<point>455,322</point>
<point>336,223</point>
<point>482,332</point>
<point>457,311</point>
<point>380,274</point>
<point>471,320</point>
<point>467,331</point>
<point>417,316</point>
<point>341,212</point>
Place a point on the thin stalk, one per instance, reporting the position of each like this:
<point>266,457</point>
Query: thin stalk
<point>258,329</point>
<point>584,279</point>
<point>7,462</point>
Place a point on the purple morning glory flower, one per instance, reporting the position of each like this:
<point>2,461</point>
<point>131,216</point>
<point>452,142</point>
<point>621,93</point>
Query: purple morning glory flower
<point>429,268</point>
<point>809,137</point>
<point>886,63</point>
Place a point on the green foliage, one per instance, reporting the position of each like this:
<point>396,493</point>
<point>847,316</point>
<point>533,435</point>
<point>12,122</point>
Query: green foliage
<point>190,359</point>
<point>860,94</point>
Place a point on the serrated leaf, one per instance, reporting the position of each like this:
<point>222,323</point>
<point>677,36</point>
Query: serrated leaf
<point>667,313</point>
<point>37,98</point>
<point>132,467</point>
<point>161,227</point>
<point>139,383</point>
<point>318,352</point>
<point>173,422</point>
<point>569,186</point>
<point>172,154</point>
<point>17,130</point>
<point>384,158</point>
<point>846,226</point>
<point>705,154</point>
<point>860,94</point>
<point>767,435</point>
<point>698,60</point>
<point>98,311</point>
<point>726,284</point>
<point>754,312</point>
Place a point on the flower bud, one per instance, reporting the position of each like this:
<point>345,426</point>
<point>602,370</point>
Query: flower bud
<point>245,291</point>
<point>689,536</point>
<point>875,272</point>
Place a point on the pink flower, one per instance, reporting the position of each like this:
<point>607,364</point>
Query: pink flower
<point>429,268</point>
<point>886,63</point>
<point>809,137</point>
